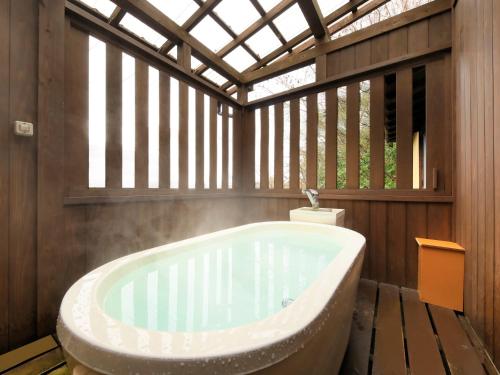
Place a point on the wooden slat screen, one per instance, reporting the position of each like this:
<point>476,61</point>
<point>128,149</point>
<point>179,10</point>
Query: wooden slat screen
<point>189,113</point>
<point>377,159</point>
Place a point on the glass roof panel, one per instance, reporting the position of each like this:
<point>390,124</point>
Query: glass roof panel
<point>215,77</point>
<point>268,4</point>
<point>328,6</point>
<point>173,52</point>
<point>143,31</point>
<point>237,14</point>
<point>211,34</point>
<point>291,22</point>
<point>263,42</point>
<point>239,59</point>
<point>105,7</point>
<point>195,63</point>
<point>177,10</point>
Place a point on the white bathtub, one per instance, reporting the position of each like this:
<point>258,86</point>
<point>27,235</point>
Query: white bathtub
<point>311,333</point>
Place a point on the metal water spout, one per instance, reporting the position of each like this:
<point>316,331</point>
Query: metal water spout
<point>313,196</point>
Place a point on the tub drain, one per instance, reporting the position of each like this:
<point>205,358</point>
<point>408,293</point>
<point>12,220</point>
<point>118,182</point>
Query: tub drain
<point>286,301</point>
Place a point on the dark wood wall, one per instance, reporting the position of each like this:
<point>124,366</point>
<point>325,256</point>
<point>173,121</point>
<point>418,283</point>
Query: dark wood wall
<point>18,172</point>
<point>477,110</point>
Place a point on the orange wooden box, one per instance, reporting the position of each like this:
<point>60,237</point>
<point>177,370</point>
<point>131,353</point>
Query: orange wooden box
<point>441,273</point>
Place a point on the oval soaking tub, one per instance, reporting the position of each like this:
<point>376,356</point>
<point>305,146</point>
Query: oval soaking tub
<point>266,298</point>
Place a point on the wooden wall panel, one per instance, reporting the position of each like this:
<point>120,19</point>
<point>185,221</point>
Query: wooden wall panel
<point>4,172</point>
<point>476,60</point>
<point>141,124</point>
<point>113,116</point>
<point>23,173</point>
<point>76,72</point>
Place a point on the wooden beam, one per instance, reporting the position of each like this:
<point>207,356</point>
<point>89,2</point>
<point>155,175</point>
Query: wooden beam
<point>312,13</point>
<point>117,16</point>
<point>101,28</point>
<point>366,72</point>
<point>154,18</point>
<point>301,59</point>
<point>192,21</point>
<point>252,29</point>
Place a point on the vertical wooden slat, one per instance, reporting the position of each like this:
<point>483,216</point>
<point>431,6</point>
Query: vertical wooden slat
<point>438,124</point>
<point>248,140</point>
<point>416,226</point>
<point>200,136</point>
<point>141,124</point>
<point>398,42</point>
<point>52,277</point>
<point>4,172</point>
<point>378,240</point>
<point>264,148</point>
<point>377,133</point>
<point>396,243</point>
<point>213,143</point>
<point>238,170</point>
<point>76,95</point>
<point>113,117</point>
<point>352,137</point>
<point>23,173</point>
<point>294,143</point>
<point>331,139</point>
<point>404,129</point>
<point>164,140</point>
<point>418,36</point>
<point>278,146</point>
<point>183,135</point>
<point>312,141</point>
<point>225,146</point>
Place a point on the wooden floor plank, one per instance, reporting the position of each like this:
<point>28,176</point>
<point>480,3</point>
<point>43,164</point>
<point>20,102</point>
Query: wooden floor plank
<point>460,354</point>
<point>423,351</point>
<point>26,352</point>
<point>357,357</point>
<point>41,364</point>
<point>389,353</point>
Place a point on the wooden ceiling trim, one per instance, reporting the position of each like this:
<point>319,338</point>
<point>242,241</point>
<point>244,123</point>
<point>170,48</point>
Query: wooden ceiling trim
<point>302,58</point>
<point>116,16</point>
<point>192,21</point>
<point>266,19</point>
<point>151,16</point>
<point>99,27</point>
<point>312,13</point>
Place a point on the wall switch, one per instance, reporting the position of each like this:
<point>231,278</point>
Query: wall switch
<point>24,129</point>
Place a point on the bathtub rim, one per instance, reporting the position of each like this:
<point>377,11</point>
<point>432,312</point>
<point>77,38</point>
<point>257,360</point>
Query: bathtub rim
<point>325,286</point>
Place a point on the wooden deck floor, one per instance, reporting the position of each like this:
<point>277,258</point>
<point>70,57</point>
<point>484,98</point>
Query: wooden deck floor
<point>392,333</point>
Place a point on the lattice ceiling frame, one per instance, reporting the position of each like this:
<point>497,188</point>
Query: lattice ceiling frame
<point>319,31</point>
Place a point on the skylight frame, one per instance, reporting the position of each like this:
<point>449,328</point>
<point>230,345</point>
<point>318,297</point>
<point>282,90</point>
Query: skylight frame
<point>292,15</point>
<point>180,16</point>
<point>135,26</point>
<point>232,16</point>
<point>205,30</point>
